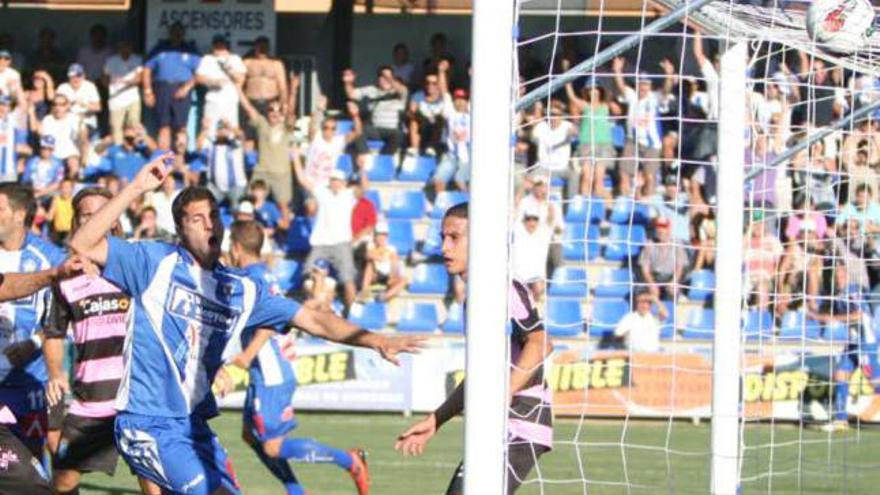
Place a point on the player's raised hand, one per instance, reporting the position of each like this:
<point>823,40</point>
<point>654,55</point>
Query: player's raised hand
<point>74,265</point>
<point>390,347</point>
<point>56,389</point>
<point>223,383</point>
<point>153,174</point>
<point>413,440</point>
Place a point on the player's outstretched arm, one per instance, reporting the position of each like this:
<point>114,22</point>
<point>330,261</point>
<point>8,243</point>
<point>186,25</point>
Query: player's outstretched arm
<point>244,359</point>
<point>18,285</point>
<point>90,241</point>
<point>331,327</point>
<point>416,437</point>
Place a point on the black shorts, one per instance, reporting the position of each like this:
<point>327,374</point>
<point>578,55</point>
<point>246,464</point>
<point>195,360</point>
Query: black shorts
<point>87,445</point>
<point>20,471</point>
<point>170,112</point>
<point>521,458</point>
<point>56,415</point>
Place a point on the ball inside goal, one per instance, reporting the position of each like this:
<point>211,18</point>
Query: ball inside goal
<point>841,26</point>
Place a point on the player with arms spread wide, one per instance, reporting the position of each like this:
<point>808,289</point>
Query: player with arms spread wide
<point>530,430</point>
<point>185,307</point>
<point>268,412</point>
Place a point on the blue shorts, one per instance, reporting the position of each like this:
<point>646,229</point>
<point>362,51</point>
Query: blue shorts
<point>181,455</point>
<point>28,404</point>
<point>451,168</point>
<point>855,356</point>
<point>170,111</point>
<point>268,411</point>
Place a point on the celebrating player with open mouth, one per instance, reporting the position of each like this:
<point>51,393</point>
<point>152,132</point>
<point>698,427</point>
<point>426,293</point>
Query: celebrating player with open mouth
<point>530,430</point>
<point>185,308</point>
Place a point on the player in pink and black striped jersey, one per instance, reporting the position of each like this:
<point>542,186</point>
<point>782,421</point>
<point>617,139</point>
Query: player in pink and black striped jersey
<point>94,311</point>
<point>530,419</point>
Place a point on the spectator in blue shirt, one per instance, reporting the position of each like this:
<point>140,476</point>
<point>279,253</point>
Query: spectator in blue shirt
<point>169,76</point>
<point>44,172</point>
<point>126,159</point>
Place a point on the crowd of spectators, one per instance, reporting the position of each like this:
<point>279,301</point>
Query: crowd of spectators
<point>640,133</point>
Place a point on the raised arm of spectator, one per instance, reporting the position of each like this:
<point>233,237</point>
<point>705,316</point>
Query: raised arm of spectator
<point>90,241</point>
<point>252,113</point>
<point>699,53</point>
<point>358,129</point>
<point>805,63</point>
<point>17,285</point>
<point>669,78</point>
<point>617,67</point>
<point>301,176</point>
<point>292,100</point>
<point>443,76</point>
<point>574,100</point>
<point>281,80</point>
<point>348,80</point>
<point>317,117</point>
<point>147,85</point>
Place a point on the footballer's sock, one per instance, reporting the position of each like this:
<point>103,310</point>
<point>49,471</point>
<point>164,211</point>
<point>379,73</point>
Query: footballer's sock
<point>281,470</point>
<point>841,391</point>
<point>312,452</point>
<point>294,489</point>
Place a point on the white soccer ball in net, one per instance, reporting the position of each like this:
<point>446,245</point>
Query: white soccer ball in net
<point>841,26</point>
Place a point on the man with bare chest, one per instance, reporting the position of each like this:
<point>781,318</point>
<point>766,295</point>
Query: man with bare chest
<point>265,80</point>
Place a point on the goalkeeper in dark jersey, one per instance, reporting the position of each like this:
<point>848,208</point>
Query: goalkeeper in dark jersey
<point>530,429</point>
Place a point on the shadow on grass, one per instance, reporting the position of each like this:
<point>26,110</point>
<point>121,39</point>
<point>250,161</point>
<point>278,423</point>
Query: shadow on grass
<point>108,490</point>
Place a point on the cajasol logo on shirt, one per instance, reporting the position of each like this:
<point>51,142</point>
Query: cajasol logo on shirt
<point>188,304</point>
<point>100,305</point>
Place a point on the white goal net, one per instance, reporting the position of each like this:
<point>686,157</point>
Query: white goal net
<point>616,185</point>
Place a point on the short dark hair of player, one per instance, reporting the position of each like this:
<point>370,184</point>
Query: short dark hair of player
<point>458,211</point>
<point>189,195</point>
<point>90,191</point>
<point>20,198</point>
<point>248,234</point>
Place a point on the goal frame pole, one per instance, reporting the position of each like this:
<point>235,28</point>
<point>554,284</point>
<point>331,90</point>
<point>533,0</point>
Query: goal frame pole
<point>726,363</point>
<point>487,367</point>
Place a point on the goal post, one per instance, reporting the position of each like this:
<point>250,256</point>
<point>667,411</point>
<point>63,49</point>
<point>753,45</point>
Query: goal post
<point>486,397</point>
<point>726,376</point>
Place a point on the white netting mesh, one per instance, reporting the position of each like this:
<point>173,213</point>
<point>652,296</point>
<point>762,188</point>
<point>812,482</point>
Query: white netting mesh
<point>628,215</point>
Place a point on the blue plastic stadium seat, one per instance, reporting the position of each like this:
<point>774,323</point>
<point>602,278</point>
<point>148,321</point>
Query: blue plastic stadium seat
<point>758,325</point>
<point>614,282</point>
<point>429,278</point>
<point>344,163</point>
<point>585,209</point>
<point>344,126</point>
<point>837,331</point>
<point>454,319</point>
<point>568,282</point>
<point>796,326</point>
<point>372,315</point>
<point>407,204</point>
<point>564,318</point>
<point>401,236</point>
<point>624,241</point>
<point>607,313</point>
<point>375,144</point>
<point>625,211</point>
<point>557,181</point>
<point>433,239</point>
<point>297,241</point>
<point>418,317</point>
<point>375,198</point>
<point>701,285</point>
<point>445,200</point>
<point>380,168</point>
<point>699,324</point>
<point>417,169</point>
<point>580,243</point>
<point>288,274</point>
<point>226,217</point>
<point>667,326</point>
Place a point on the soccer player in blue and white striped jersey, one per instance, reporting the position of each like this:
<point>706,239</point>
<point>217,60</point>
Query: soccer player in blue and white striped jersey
<point>268,411</point>
<point>186,307</point>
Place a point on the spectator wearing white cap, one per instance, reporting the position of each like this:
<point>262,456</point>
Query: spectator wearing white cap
<point>383,267</point>
<point>245,211</point>
<point>331,237</point>
<point>549,214</point>
<point>531,247</point>
<point>65,129</point>
<point>85,102</point>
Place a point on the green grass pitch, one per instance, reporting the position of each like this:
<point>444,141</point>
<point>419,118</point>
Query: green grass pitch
<point>648,457</point>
